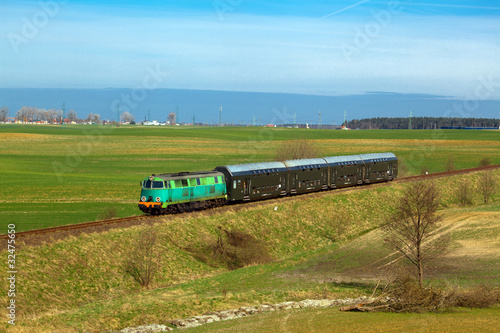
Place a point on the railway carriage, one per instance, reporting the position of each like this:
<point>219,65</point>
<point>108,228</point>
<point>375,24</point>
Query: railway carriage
<point>379,167</point>
<point>345,170</point>
<point>255,181</point>
<point>307,175</point>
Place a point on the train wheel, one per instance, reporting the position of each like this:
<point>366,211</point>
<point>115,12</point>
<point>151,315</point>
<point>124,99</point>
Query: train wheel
<point>181,208</point>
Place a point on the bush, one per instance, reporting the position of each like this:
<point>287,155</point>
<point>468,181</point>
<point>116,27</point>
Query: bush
<point>450,165</point>
<point>487,186</point>
<point>107,214</point>
<point>296,149</point>
<point>484,162</point>
<point>144,258</point>
<point>464,193</point>
<point>406,295</point>
<point>424,170</point>
<point>478,297</point>
<point>236,249</point>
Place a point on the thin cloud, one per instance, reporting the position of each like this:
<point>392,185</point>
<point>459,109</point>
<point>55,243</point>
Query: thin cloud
<point>344,9</point>
<point>448,5</point>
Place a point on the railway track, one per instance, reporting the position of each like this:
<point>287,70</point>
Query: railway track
<point>106,224</point>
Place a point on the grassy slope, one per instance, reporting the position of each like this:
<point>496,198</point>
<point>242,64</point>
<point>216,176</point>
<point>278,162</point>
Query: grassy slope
<point>79,283</point>
<point>57,176</point>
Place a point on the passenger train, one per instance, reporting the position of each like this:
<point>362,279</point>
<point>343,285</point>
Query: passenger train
<point>178,192</point>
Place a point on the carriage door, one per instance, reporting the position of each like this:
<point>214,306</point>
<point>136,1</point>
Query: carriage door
<point>246,186</point>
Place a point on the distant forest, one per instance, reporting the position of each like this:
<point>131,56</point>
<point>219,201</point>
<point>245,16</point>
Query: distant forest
<point>421,123</point>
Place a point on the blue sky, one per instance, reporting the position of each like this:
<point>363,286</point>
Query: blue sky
<point>450,48</point>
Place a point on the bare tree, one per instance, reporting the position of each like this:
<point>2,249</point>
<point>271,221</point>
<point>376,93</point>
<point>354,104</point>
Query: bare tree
<point>127,117</point>
<point>143,261</point>
<point>464,193</point>
<point>4,111</point>
<point>296,149</point>
<point>412,224</point>
<point>72,115</point>
<point>172,118</point>
<point>487,185</point>
<point>94,118</point>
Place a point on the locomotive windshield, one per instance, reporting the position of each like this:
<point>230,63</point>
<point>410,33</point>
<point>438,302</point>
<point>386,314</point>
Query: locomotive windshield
<point>152,184</point>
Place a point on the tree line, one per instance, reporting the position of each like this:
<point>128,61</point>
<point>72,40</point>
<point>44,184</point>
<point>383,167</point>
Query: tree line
<point>34,114</point>
<point>420,123</point>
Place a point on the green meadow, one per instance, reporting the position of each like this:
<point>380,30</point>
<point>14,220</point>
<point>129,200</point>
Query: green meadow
<point>55,176</point>
<point>322,246</point>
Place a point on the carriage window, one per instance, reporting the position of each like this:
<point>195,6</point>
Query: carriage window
<point>184,182</point>
<point>198,181</point>
<point>234,183</point>
<point>216,179</point>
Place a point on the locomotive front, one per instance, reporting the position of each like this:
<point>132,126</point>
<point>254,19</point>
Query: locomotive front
<point>154,195</point>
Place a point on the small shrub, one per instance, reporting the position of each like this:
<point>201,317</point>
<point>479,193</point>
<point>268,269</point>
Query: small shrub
<point>402,168</point>
<point>296,149</point>
<point>108,214</point>
<point>450,164</point>
<point>464,193</point>
<point>237,249</point>
<point>406,295</point>
<point>487,186</point>
<point>424,170</point>
<point>144,258</point>
<point>478,297</point>
<point>484,162</point>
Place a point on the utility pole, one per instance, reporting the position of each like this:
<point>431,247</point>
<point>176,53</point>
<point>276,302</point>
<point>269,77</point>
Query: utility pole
<point>294,120</point>
<point>194,119</point>
<point>345,115</point>
<point>63,124</point>
<point>254,121</point>
<point>319,120</point>
<point>177,115</point>
<point>409,122</point>
<point>220,116</point>
<point>117,115</point>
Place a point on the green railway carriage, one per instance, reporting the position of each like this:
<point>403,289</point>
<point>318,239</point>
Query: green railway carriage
<point>345,170</point>
<point>177,192</point>
<point>255,181</point>
<point>307,175</point>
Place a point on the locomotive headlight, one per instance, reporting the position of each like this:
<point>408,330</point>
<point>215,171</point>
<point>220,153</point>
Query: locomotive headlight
<point>143,199</point>
<point>158,199</point>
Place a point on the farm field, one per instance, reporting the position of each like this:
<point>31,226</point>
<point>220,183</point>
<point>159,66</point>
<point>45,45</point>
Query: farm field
<point>323,246</point>
<point>55,176</point>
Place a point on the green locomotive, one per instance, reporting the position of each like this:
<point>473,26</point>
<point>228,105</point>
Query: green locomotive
<point>178,192</point>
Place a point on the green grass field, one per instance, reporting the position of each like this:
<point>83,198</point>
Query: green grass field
<point>327,246</point>
<point>55,176</point>
<point>323,247</point>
